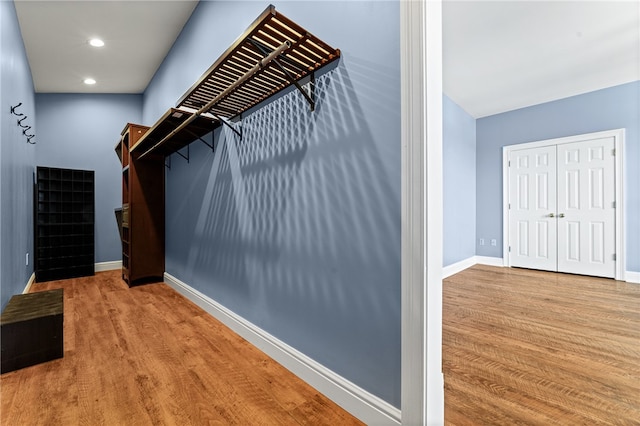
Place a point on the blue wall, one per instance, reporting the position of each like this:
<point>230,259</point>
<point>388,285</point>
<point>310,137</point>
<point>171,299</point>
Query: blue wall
<point>297,227</point>
<point>612,108</point>
<point>80,131</point>
<point>459,188</point>
<point>17,158</point>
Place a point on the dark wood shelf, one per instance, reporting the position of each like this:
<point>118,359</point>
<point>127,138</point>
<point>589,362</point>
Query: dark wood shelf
<point>171,120</point>
<point>273,54</point>
<point>270,30</point>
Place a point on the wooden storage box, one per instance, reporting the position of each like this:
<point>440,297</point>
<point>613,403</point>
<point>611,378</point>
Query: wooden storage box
<point>31,328</point>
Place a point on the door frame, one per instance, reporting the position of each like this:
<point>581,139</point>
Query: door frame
<point>422,387</point>
<point>619,137</point>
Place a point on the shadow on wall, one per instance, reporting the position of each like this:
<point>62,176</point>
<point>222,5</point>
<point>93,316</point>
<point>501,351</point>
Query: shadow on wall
<point>296,227</point>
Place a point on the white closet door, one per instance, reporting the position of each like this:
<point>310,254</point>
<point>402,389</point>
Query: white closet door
<point>532,199</point>
<point>586,209</point>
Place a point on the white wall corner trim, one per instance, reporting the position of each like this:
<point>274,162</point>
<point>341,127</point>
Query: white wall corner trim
<point>108,266</point>
<point>632,277</point>
<point>421,258</point>
<point>362,404</point>
<point>27,288</point>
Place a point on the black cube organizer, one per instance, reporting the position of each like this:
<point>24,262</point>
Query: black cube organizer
<point>31,328</point>
<point>64,223</point>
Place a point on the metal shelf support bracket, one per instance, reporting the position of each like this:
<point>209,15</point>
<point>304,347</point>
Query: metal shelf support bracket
<point>226,123</point>
<point>200,139</point>
<point>309,97</point>
<point>186,157</point>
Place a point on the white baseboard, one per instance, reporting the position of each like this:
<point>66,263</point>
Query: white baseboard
<point>360,403</point>
<point>27,288</point>
<point>454,268</point>
<point>447,271</point>
<point>99,267</point>
<point>108,266</point>
<point>490,261</point>
<point>632,277</point>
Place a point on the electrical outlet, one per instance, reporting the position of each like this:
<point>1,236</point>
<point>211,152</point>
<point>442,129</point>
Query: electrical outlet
<point>494,242</point>
<point>481,241</point>
<point>27,259</point>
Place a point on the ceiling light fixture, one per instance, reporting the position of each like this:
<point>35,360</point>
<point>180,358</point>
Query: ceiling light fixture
<point>96,42</point>
<point>89,81</point>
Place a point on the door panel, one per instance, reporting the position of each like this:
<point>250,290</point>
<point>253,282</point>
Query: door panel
<point>532,199</point>
<point>586,209</point>
<point>572,238</point>
<point>542,248</point>
<point>597,236</point>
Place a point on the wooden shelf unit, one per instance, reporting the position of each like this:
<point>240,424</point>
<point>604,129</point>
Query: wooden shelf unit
<point>273,54</point>
<point>142,210</point>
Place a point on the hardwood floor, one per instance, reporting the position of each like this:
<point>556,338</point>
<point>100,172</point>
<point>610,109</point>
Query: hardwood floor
<point>148,356</point>
<point>519,347</point>
<point>537,348</point>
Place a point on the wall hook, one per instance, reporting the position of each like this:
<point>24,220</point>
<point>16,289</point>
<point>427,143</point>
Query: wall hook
<point>25,128</point>
<point>13,110</point>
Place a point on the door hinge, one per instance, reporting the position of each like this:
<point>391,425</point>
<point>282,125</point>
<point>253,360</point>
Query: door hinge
<point>509,208</point>
<point>613,152</point>
<point>614,204</point>
<point>509,249</point>
<point>614,256</point>
<point>509,163</point>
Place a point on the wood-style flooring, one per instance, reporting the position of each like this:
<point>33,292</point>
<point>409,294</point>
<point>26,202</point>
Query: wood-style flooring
<point>520,347</point>
<point>148,356</point>
<point>524,347</point>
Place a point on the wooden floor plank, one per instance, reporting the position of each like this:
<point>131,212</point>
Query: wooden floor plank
<point>533,347</point>
<point>147,356</point>
<point>519,347</point>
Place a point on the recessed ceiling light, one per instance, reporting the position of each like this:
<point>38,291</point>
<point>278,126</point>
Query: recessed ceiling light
<point>89,81</point>
<point>96,42</point>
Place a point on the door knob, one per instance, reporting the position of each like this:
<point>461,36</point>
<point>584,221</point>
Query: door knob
<point>551,215</point>
<point>561,215</point>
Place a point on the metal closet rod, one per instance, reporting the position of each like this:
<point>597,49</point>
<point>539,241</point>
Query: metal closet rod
<point>261,64</point>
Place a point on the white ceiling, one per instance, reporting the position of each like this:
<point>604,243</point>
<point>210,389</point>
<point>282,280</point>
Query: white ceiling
<point>498,55</point>
<point>137,35</point>
<point>504,55</point>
